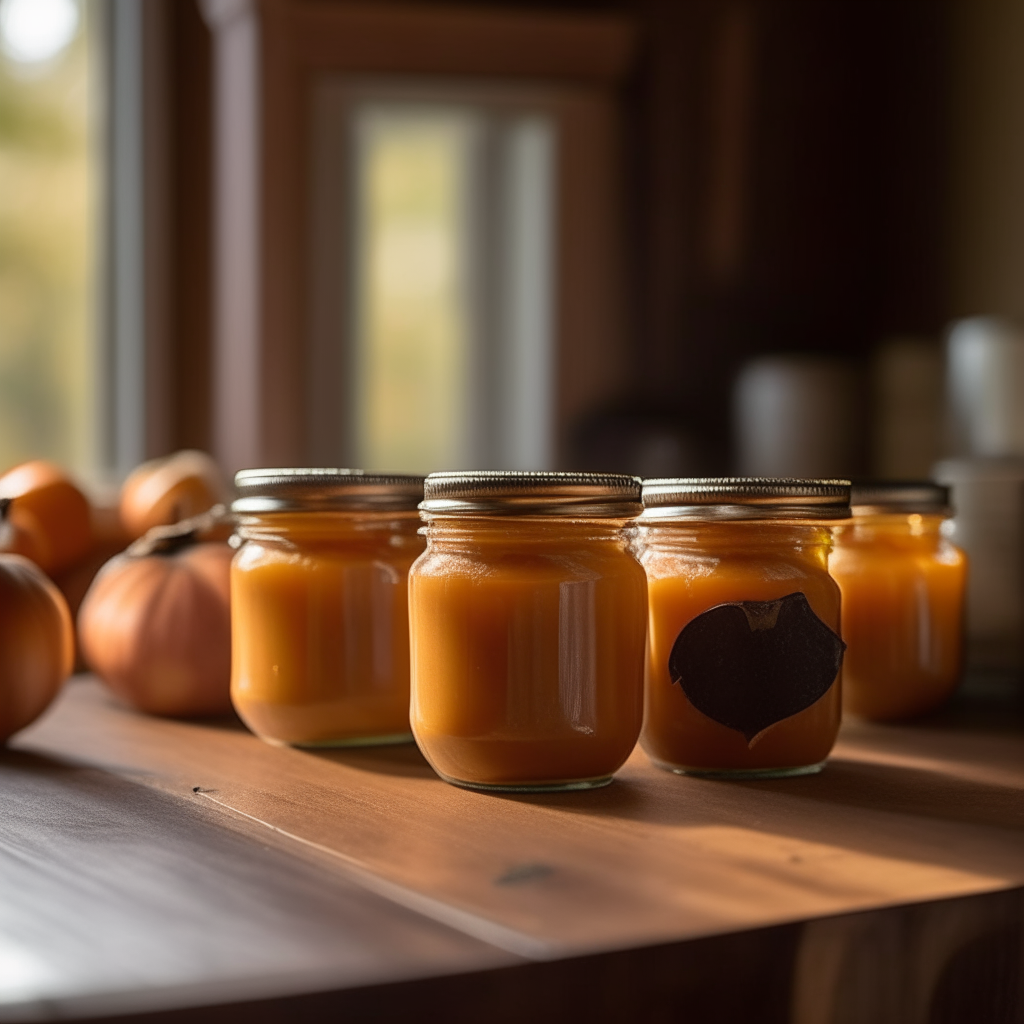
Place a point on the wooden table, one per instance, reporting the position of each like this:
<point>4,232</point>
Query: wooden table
<point>170,870</point>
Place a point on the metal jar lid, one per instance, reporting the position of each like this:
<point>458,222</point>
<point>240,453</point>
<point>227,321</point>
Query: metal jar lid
<point>324,490</point>
<point>905,496</point>
<point>512,493</point>
<point>719,498</point>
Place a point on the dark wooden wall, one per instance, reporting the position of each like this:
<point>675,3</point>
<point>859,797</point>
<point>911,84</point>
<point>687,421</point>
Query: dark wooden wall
<point>789,192</point>
<point>786,164</point>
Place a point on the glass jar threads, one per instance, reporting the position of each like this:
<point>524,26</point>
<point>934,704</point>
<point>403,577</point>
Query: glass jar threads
<point>903,588</point>
<point>527,615</point>
<point>744,646</point>
<point>319,605</point>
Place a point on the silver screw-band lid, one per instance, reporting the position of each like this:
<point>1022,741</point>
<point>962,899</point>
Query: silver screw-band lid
<point>514,493</point>
<point>324,490</point>
<point>745,498</point>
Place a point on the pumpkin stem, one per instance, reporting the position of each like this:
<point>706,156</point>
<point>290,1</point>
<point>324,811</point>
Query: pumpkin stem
<point>168,540</point>
<point>5,504</point>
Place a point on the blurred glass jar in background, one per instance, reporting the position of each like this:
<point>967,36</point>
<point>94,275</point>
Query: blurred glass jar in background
<point>319,605</point>
<point>985,387</point>
<point>744,649</point>
<point>903,585</point>
<point>988,499</point>
<point>799,416</point>
<point>527,615</point>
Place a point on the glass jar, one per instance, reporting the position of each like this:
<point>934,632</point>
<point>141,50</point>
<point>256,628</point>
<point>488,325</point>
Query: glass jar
<point>527,613</point>
<point>988,496</point>
<point>903,588</point>
<point>744,650</point>
<point>319,605</point>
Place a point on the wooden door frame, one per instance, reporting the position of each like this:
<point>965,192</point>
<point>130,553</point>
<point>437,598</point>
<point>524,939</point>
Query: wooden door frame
<point>267,55</point>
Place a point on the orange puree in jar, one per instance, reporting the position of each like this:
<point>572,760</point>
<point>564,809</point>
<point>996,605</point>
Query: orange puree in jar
<point>743,652</point>
<point>319,605</point>
<point>903,601</point>
<point>527,615</point>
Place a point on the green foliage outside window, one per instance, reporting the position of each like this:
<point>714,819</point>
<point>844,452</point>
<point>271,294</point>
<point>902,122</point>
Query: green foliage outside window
<point>47,241</point>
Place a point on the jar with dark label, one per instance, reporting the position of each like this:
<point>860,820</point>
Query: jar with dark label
<point>903,587</point>
<point>319,605</point>
<point>744,649</point>
<point>527,614</point>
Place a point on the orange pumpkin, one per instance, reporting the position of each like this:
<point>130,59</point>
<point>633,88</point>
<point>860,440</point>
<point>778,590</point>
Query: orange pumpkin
<point>36,643</point>
<point>110,538</point>
<point>109,532</point>
<point>51,513</point>
<point>168,490</point>
<point>155,624</point>
<point>15,539</point>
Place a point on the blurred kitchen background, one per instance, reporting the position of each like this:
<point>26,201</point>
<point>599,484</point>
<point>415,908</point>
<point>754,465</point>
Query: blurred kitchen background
<point>698,236</point>
<point>663,236</point>
<point>668,237</point>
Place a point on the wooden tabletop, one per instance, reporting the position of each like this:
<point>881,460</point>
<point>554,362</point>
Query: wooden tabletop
<point>153,867</point>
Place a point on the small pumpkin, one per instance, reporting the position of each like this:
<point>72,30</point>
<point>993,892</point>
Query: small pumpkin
<point>49,513</point>
<point>110,538</point>
<point>36,643</point>
<point>165,491</point>
<point>155,625</point>
<point>109,532</point>
<point>15,539</point>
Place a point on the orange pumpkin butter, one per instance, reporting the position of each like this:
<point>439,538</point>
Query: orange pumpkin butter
<point>319,610</point>
<point>527,615</point>
<point>903,586</point>
<point>743,652</point>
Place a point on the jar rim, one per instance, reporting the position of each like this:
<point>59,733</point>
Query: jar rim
<point>730,498</point>
<point>322,489</point>
<point>529,493</point>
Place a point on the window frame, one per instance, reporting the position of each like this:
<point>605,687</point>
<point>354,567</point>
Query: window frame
<point>267,56</point>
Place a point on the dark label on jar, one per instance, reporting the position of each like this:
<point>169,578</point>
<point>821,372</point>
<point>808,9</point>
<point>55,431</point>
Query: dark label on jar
<point>750,664</point>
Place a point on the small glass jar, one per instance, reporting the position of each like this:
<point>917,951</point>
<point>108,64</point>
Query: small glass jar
<point>319,605</point>
<point>527,613</point>
<point>903,588</point>
<point>744,651</point>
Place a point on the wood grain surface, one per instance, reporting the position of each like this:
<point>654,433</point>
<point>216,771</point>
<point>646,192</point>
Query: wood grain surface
<point>368,868</point>
<point>112,889</point>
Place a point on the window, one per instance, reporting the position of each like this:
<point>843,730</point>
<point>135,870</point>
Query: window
<point>450,276</point>
<point>48,233</point>
<point>330,347</point>
<point>412,282</point>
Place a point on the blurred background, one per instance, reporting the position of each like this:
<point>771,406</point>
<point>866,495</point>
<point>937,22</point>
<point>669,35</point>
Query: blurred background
<point>49,263</point>
<point>659,236</point>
